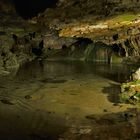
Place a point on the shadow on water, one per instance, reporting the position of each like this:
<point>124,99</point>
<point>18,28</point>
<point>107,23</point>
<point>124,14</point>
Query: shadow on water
<point>31,126</point>
<point>38,71</point>
<point>113,92</point>
<point>31,70</point>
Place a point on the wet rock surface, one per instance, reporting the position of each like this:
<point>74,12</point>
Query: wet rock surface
<point>20,42</point>
<point>130,92</point>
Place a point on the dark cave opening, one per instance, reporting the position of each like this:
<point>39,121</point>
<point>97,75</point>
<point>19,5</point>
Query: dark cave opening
<point>119,50</point>
<point>30,8</point>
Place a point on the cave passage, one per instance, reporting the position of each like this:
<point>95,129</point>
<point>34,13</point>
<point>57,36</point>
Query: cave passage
<point>30,8</point>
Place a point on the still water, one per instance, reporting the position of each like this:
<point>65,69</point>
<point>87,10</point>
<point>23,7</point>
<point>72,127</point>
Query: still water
<point>67,101</point>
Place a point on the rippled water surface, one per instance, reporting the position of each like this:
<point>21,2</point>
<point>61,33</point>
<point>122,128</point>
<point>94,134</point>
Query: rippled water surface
<point>67,101</point>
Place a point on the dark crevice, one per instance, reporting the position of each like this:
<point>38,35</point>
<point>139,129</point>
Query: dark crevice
<point>30,8</point>
<point>119,50</point>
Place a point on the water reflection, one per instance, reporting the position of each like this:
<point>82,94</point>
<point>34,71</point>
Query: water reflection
<point>45,69</point>
<point>34,69</point>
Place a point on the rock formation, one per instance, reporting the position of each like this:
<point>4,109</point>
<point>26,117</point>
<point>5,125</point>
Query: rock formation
<point>111,26</point>
<point>115,23</point>
<point>6,6</point>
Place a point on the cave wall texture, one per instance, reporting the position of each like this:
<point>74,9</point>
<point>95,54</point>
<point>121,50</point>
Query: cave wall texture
<point>84,7</point>
<point>6,6</point>
<point>61,14</point>
<point>75,8</point>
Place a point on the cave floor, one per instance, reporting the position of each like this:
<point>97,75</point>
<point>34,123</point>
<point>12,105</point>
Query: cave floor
<point>66,101</point>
